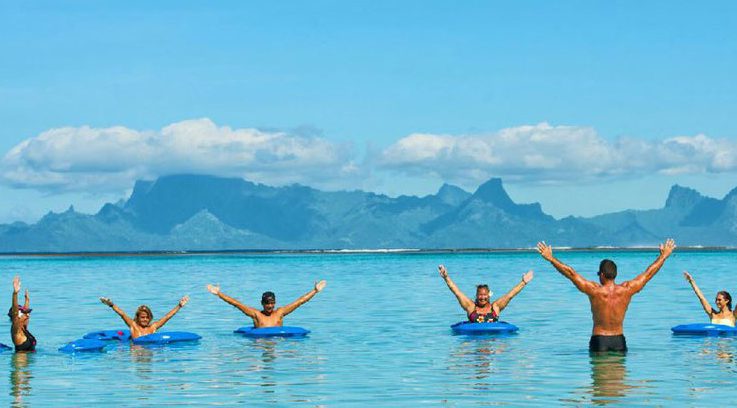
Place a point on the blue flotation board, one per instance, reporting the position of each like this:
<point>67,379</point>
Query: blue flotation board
<point>483,328</point>
<point>3,347</point>
<point>81,345</point>
<point>705,329</point>
<point>166,338</point>
<point>108,335</point>
<point>279,331</point>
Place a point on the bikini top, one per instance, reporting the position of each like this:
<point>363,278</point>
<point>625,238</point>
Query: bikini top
<point>475,317</point>
<point>726,322</point>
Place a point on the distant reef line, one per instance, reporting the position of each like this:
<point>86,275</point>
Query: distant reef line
<point>164,254</point>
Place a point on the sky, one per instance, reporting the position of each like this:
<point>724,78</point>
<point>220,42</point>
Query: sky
<point>586,107</point>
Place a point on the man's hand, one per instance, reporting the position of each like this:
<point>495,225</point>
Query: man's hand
<point>215,290</point>
<point>106,301</point>
<point>545,250</point>
<point>527,277</point>
<point>319,286</point>
<point>667,248</point>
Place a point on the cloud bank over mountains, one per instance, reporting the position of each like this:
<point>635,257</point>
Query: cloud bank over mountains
<point>545,153</point>
<point>84,158</point>
<point>111,159</point>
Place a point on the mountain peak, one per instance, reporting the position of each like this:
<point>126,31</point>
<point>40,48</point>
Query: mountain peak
<point>452,195</point>
<point>682,197</point>
<point>493,192</point>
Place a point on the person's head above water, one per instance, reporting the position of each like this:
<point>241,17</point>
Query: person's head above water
<point>724,297</point>
<point>25,312</point>
<point>268,300</point>
<point>483,294</point>
<point>607,270</point>
<point>143,316</point>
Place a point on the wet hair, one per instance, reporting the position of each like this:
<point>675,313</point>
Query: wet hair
<point>726,296</point>
<point>482,286</point>
<point>268,296</point>
<point>144,308</point>
<point>608,268</point>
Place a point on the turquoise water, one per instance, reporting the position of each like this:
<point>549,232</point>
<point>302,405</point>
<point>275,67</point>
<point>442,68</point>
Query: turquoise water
<point>380,333</point>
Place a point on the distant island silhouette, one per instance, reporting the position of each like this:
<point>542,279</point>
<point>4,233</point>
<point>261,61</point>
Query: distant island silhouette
<point>207,213</point>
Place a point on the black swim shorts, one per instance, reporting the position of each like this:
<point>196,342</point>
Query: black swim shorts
<point>607,343</point>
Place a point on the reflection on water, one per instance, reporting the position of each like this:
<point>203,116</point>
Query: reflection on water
<point>474,358</point>
<point>20,377</point>
<point>267,347</point>
<point>608,375</point>
<point>723,351</point>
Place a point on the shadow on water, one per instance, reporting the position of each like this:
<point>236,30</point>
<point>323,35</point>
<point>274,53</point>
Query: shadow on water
<point>20,377</point>
<point>609,378</point>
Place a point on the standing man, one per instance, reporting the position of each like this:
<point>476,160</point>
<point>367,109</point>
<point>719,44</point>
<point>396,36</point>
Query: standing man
<point>609,300</point>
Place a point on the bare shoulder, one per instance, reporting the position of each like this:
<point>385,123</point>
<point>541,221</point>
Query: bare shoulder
<point>626,285</point>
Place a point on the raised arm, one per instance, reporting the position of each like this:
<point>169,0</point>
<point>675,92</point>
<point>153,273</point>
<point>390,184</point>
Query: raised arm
<point>639,282</point>
<point>503,301</point>
<point>303,299</point>
<point>704,303</point>
<point>585,286</point>
<point>157,324</point>
<point>14,303</point>
<point>247,310</point>
<point>128,321</point>
<point>467,304</point>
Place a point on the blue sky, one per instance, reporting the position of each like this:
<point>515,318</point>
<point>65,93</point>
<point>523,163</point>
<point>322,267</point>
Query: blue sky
<point>586,107</point>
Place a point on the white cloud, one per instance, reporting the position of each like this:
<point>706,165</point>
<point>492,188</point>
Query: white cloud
<point>110,159</point>
<point>545,153</point>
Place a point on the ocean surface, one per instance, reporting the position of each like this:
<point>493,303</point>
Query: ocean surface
<point>380,333</point>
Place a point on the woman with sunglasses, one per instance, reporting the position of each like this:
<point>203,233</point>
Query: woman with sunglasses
<point>723,314</point>
<point>480,310</point>
<point>19,317</point>
<point>142,325</point>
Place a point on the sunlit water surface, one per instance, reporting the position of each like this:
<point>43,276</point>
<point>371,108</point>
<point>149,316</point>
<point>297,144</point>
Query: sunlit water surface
<point>380,333</point>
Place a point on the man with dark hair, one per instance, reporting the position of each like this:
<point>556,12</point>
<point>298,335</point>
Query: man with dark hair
<point>608,268</point>
<point>609,300</point>
<point>270,315</point>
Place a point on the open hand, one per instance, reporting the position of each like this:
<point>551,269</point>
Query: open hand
<point>443,271</point>
<point>16,284</point>
<point>320,285</point>
<point>215,290</point>
<point>667,248</point>
<point>545,250</point>
<point>106,301</point>
<point>527,277</point>
<point>183,301</point>
<point>688,276</point>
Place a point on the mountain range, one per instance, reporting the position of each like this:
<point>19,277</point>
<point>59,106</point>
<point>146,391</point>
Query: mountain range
<point>199,212</point>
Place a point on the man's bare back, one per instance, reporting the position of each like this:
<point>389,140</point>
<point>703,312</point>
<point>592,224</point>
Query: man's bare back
<point>609,300</point>
<point>608,308</point>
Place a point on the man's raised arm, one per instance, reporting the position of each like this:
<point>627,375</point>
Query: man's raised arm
<point>247,310</point>
<point>582,284</point>
<point>639,282</point>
